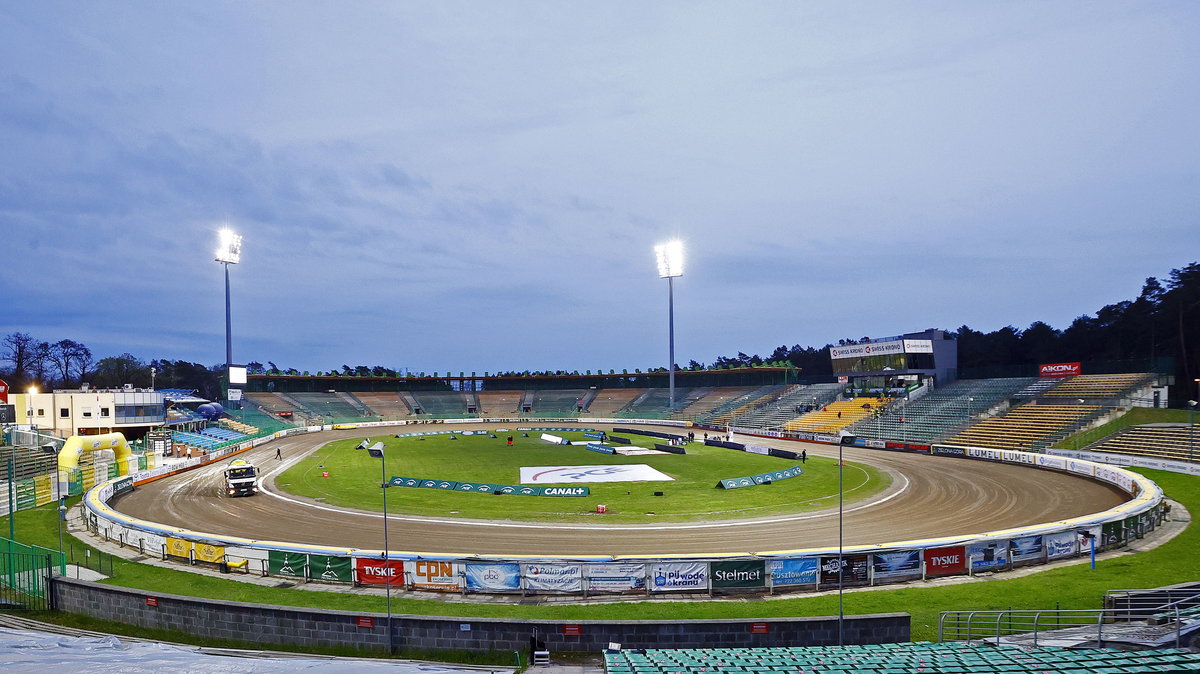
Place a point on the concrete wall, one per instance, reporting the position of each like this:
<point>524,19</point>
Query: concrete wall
<point>273,625</point>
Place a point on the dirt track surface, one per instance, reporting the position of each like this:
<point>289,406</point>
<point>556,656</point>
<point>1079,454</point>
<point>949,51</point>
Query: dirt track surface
<point>930,497</point>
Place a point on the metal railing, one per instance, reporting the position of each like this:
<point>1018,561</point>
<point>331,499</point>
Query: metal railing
<point>1035,625</point>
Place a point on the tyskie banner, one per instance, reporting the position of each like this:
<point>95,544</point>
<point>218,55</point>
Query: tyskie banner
<point>947,561</point>
<point>379,572</point>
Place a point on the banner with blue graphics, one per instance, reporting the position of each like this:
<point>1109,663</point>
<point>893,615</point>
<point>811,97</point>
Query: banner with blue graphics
<point>1063,544</point>
<point>603,449</point>
<point>488,487</point>
<point>678,576</point>
<point>493,577</point>
<point>594,435</point>
<point>897,564</point>
<point>1025,548</point>
<point>763,478</point>
<point>988,556</point>
<point>553,577</point>
<point>799,571</point>
<point>616,577</point>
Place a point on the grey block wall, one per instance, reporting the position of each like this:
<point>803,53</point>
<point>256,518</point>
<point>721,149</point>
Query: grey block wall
<point>268,626</point>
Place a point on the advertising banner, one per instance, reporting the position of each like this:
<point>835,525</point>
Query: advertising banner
<point>988,556</point>
<point>948,561</point>
<point>985,454</point>
<point>898,564</point>
<point>1048,461</point>
<point>379,572</point>
<point>1019,457</point>
<point>1026,548</point>
<point>862,350</point>
<point>1059,370</point>
<point>434,575</point>
<point>749,573</point>
<point>677,576</point>
<point>439,484</point>
<point>616,577</point>
<point>799,571</point>
<point>213,554</point>
<point>178,547</point>
<point>1115,476</point>
<point>290,564</point>
<point>639,472</point>
<point>4,392</point>
<point>918,346</point>
<point>603,449</point>
<point>1064,544</point>
<point>943,450</point>
<point>1112,534</point>
<point>854,570</point>
<point>493,577</point>
<point>330,569</point>
<point>553,577</point>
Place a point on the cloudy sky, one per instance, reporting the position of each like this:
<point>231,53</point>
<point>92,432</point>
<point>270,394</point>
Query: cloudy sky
<point>479,185</point>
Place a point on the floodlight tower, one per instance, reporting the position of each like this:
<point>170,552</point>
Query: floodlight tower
<point>670,264</point>
<point>229,251</point>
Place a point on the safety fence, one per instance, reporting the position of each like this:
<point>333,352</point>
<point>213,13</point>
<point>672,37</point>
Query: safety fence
<point>24,575</point>
<point>749,572</point>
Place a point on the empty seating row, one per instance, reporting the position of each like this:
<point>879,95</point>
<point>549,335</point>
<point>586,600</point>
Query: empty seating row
<point>1030,426</point>
<point>1092,386</point>
<point>1160,441</point>
<point>957,658</point>
<point>782,409</point>
<point>940,412</point>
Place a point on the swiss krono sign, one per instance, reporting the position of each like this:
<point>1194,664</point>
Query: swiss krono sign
<point>1060,370</point>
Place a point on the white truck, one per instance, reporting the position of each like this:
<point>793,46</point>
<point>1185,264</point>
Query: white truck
<point>241,478</point>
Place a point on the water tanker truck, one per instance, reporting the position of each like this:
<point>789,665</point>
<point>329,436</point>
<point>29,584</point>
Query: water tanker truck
<point>241,478</point>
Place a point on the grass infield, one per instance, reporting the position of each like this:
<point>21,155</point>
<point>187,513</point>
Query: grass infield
<point>339,474</point>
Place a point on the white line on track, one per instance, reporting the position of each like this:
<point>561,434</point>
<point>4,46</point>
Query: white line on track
<point>584,527</point>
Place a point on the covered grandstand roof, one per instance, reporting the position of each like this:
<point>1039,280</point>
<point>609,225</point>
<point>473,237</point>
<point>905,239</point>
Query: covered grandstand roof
<point>180,395</point>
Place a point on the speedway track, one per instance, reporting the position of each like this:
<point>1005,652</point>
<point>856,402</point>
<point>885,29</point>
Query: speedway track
<point>930,497</point>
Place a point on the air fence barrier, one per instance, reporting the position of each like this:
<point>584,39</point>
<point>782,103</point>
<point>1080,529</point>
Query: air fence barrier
<point>811,569</point>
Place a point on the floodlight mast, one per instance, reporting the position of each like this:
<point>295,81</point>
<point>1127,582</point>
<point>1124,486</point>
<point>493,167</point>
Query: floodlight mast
<point>669,256</point>
<point>229,251</point>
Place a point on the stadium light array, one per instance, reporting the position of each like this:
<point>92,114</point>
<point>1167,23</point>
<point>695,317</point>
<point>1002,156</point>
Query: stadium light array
<point>669,256</point>
<point>229,251</point>
<point>229,247</point>
<point>670,259</point>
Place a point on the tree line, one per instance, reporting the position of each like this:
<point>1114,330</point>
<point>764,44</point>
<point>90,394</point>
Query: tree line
<point>1162,321</point>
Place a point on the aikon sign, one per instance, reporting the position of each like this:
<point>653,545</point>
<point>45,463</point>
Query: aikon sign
<point>1060,370</point>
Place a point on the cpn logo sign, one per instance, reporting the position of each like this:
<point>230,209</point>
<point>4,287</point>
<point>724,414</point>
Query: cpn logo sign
<point>1060,370</point>
<point>568,474</point>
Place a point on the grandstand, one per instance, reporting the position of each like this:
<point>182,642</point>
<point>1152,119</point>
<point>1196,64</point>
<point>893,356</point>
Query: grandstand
<point>440,403</point>
<point>558,402</point>
<point>836,415</point>
<point>713,398</point>
<point>388,405</point>
<point>897,658</point>
<point>1101,386</point>
<point>941,411</point>
<point>1031,426</point>
<point>331,406</point>
<point>610,400</point>
<point>1176,442</point>
<point>275,403</point>
<point>499,403</point>
<point>726,411</point>
<point>777,412</point>
<point>655,403</point>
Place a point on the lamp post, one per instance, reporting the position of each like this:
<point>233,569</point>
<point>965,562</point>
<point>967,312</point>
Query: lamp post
<point>229,251</point>
<point>376,450</point>
<point>669,256</point>
<point>1191,430</point>
<point>841,562</point>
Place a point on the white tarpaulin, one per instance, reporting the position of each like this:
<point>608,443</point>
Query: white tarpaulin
<point>26,651</point>
<point>560,474</point>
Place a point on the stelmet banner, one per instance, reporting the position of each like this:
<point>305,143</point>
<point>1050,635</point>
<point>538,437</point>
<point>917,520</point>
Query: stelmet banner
<point>749,573</point>
<point>554,577</point>
<point>616,577</point>
<point>798,571</point>
<point>677,576</point>
<point>493,577</point>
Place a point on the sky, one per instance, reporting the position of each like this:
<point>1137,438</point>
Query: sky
<point>478,186</point>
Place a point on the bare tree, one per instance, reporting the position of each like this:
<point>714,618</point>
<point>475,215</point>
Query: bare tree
<point>68,357</point>
<point>18,348</point>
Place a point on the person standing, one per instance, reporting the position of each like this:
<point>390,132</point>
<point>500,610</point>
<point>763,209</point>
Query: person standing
<point>278,454</point>
<point>804,456</point>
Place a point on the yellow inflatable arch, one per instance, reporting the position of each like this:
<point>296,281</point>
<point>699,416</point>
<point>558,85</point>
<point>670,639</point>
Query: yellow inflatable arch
<point>76,445</point>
